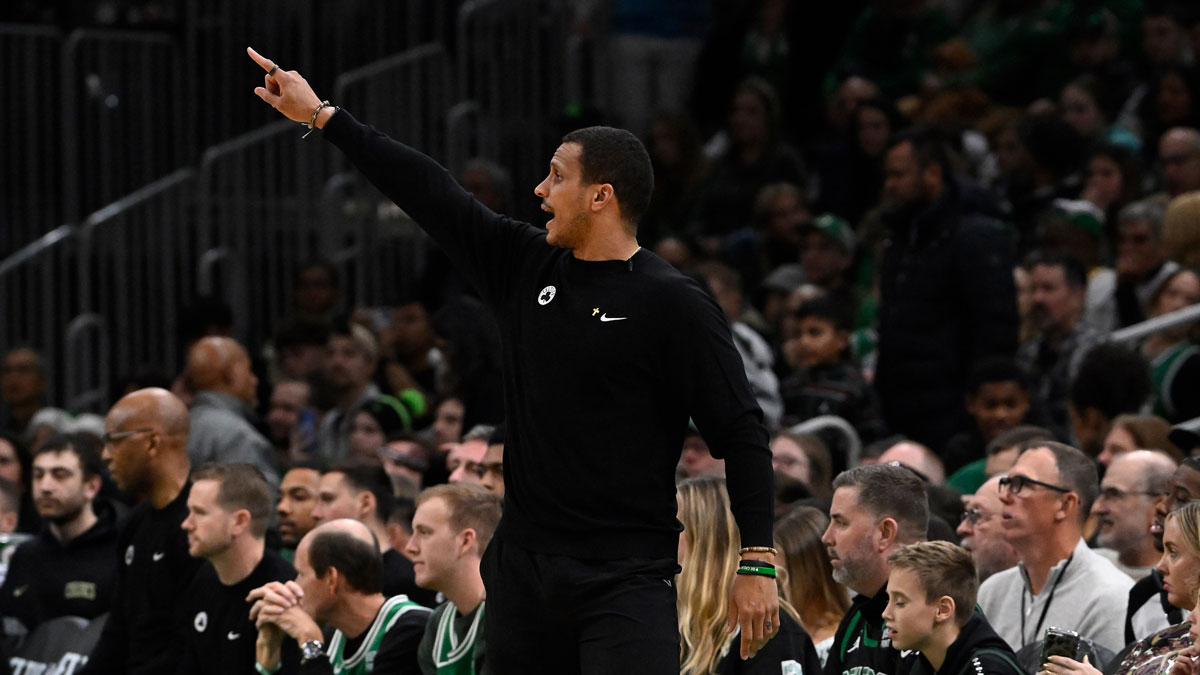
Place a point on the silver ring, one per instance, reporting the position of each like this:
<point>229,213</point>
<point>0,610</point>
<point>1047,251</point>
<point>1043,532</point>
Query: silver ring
<point>768,625</point>
<point>272,70</point>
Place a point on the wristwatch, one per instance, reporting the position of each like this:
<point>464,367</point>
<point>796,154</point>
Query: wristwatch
<point>311,650</point>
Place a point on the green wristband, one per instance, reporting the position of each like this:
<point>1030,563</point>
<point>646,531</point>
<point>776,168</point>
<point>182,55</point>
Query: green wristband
<point>756,570</point>
<point>258,667</point>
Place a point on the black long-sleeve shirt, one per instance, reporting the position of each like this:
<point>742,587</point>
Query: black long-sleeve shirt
<point>153,569</point>
<point>604,361</point>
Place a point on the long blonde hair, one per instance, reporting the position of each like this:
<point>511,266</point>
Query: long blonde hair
<point>809,581</point>
<point>709,566</point>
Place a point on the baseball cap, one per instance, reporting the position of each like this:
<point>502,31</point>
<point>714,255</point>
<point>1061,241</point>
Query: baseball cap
<point>837,229</point>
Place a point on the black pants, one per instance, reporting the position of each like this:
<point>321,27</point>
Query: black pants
<point>557,614</point>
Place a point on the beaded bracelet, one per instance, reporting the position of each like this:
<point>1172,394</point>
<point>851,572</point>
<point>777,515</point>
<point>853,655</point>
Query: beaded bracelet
<point>758,549</point>
<point>312,123</point>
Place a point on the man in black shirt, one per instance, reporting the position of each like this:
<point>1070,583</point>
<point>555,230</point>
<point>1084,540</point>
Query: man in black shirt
<point>69,569</point>
<point>607,350</point>
<point>228,510</point>
<point>145,445</point>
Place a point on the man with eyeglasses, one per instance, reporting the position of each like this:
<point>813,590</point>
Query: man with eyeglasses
<point>145,446</point>
<point>1125,509</point>
<point>1058,581</point>
<point>982,533</point>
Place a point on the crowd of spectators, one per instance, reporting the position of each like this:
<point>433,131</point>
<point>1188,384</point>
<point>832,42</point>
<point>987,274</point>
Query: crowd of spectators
<point>933,253</point>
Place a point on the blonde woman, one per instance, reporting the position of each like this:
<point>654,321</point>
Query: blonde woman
<point>708,554</point>
<point>1180,567</point>
<point>807,576</point>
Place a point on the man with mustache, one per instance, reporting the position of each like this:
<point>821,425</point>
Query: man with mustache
<point>1059,283</point>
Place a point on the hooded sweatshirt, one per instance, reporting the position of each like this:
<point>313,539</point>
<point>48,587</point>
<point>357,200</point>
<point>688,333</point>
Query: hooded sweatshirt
<point>977,651</point>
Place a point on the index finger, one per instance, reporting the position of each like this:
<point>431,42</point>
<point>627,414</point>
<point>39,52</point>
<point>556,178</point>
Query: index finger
<point>264,62</point>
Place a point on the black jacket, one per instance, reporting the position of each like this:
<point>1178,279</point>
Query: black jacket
<point>977,651</point>
<point>859,645</point>
<point>946,299</point>
<point>49,578</point>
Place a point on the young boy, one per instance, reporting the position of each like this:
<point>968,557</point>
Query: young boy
<point>931,611</point>
<point>824,380</point>
<point>998,400</point>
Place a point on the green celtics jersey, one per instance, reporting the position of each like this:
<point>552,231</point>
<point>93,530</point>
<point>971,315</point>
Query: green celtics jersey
<point>363,659</point>
<point>452,656</point>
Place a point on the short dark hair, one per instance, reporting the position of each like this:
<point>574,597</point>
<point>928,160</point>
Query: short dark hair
<point>240,486</point>
<point>363,476</point>
<point>1074,272</point>
<point>84,446</point>
<point>995,369</point>
<point>830,309</point>
<point>1112,379</point>
<point>891,491</point>
<point>617,157</point>
<point>1075,470</point>
<point>928,145</point>
<point>358,561</point>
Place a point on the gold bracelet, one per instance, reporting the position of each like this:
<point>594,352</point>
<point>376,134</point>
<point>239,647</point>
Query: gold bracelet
<point>758,549</point>
<point>312,123</point>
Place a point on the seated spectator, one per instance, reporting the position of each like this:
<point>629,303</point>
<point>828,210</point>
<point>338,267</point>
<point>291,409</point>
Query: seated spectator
<point>291,423</point>
<point>1047,496</point>
<point>493,463</point>
<point>298,495</point>
<point>15,466</point>
<point>1052,358</point>
<point>10,505</point>
<point>412,365</point>
<point>1114,180</point>
<point>299,345</point>
<point>1122,297</point>
<point>1134,432</point>
<point>1125,508</point>
<point>876,509</point>
<point>1110,380</point>
<point>406,460</point>
<point>772,239</point>
<point>917,458</point>
<point>374,424</point>
<point>362,492</point>
<point>757,357</point>
<point>451,528</point>
<point>218,370</point>
<point>229,507</point>
<point>1179,157</point>
<point>1087,105</point>
<point>1174,357</point>
<point>1180,231</point>
<point>1180,569</point>
<point>931,611</point>
<point>804,458</point>
<point>1149,607</point>
<point>755,157</point>
<point>350,359</point>
<point>339,583</point>
<point>998,401</point>
<point>708,554</point>
<point>982,530</point>
<point>696,461</point>
<point>827,252</point>
<point>70,568</point>
<point>807,577</point>
<point>47,423</point>
<point>23,387</point>
<point>680,171</point>
<point>1075,228</point>
<point>464,461</point>
<point>824,381</point>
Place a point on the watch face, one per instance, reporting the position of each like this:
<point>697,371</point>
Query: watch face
<point>311,649</point>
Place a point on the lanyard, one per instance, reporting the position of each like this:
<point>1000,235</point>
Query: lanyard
<point>1045,608</point>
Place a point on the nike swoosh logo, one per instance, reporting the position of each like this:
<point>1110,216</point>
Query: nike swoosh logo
<point>606,318</point>
<point>233,636</point>
<point>158,556</point>
<point>18,592</point>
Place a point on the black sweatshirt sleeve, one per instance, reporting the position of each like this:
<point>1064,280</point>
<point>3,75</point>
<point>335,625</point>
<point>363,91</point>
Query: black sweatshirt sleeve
<point>726,413</point>
<point>483,245</point>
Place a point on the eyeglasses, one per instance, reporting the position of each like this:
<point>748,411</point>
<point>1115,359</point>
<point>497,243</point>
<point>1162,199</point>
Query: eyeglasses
<point>113,436</point>
<point>973,516</point>
<point>1014,484</point>
<point>1114,493</point>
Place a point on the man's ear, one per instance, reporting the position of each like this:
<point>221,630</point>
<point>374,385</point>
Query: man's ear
<point>603,196</point>
<point>468,542</point>
<point>888,529</point>
<point>945,609</point>
<point>366,505</point>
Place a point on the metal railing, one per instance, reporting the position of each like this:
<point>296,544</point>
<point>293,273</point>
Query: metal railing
<point>1159,323</point>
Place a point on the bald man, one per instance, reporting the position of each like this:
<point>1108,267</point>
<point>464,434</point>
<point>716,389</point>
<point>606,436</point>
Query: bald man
<point>1179,155</point>
<point>145,447</point>
<point>918,458</point>
<point>219,371</point>
<point>339,583</point>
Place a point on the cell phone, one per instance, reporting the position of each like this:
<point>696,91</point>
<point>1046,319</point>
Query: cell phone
<point>1059,642</point>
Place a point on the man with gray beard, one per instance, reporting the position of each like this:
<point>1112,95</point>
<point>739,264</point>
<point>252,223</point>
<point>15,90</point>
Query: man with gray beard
<point>876,509</point>
<point>981,531</point>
